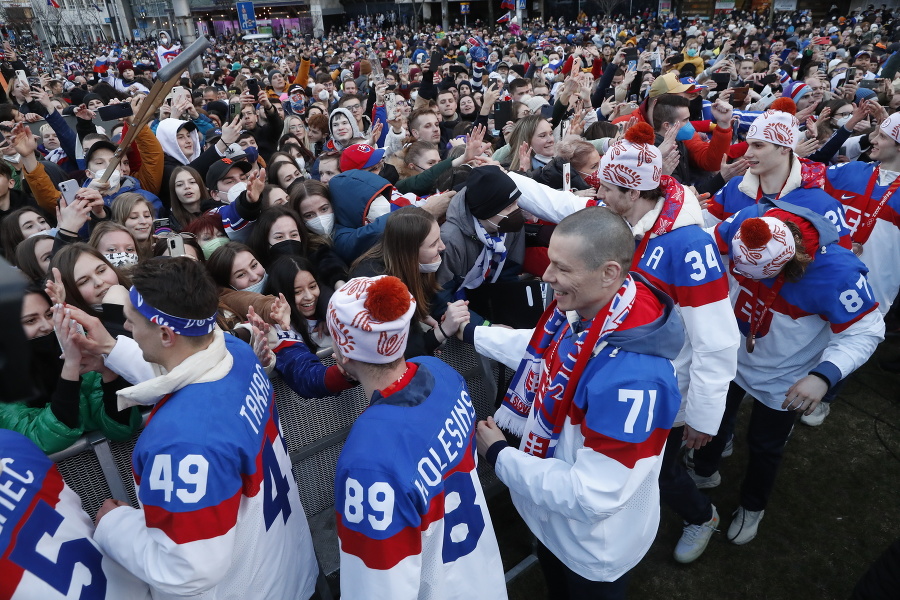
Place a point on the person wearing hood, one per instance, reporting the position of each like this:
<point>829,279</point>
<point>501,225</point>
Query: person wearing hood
<point>342,128</point>
<point>180,142</point>
<point>362,202</point>
<point>593,399</point>
<point>484,233</point>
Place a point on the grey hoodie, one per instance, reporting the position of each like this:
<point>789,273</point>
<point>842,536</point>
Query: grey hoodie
<point>356,132</point>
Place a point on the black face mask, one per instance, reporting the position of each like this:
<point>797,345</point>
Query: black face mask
<point>46,364</point>
<point>512,222</point>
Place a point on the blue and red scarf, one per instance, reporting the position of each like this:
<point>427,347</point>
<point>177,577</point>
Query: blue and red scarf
<point>537,402</point>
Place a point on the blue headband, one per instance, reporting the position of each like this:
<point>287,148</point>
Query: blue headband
<point>180,325</point>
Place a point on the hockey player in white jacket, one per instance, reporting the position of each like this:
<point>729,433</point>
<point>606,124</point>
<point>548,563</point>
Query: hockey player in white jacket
<point>594,397</point>
<point>220,514</point>
<point>676,255</point>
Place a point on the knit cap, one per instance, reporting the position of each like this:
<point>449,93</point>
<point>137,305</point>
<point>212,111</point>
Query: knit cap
<point>778,125</point>
<point>489,190</point>
<point>368,318</point>
<point>891,127</point>
<point>795,90</point>
<point>633,162</point>
<point>761,247</point>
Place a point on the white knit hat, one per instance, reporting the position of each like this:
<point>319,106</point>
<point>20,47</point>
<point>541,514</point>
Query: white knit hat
<point>761,247</point>
<point>891,127</point>
<point>776,127</point>
<point>634,162</point>
<point>368,318</point>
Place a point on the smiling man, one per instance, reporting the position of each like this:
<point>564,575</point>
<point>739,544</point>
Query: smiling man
<point>593,399</point>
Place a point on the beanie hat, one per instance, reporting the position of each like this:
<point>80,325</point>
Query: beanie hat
<point>490,190</point>
<point>864,94</point>
<point>778,125</point>
<point>634,162</point>
<point>761,247</point>
<point>795,90</point>
<point>808,232</point>
<point>124,65</point>
<point>368,318</point>
<point>891,127</point>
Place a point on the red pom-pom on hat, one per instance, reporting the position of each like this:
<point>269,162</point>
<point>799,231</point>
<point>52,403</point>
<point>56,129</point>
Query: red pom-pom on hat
<point>755,233</point>
<point>784,105</point>
<point>387,299</point>
<point>640,133</point>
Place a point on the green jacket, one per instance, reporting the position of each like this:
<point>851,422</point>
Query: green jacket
<point>42,427</point>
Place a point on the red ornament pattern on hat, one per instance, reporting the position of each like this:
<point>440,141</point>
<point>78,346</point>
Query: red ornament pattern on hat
<point>621,175</point>
<point>390,345</point>
<point>778,133</point>
<point>364,320</point>
<point>645,155</point>
<point>340,333</point>
<point>895,133</point>
<point>356,287</point>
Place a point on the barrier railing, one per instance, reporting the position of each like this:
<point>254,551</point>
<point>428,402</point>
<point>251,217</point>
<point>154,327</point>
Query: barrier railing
<point>314,430</point>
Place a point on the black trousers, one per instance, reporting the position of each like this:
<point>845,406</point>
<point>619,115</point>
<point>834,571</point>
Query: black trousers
<point>767,436</point>
<point>565,584</point>
<point>677,489</point>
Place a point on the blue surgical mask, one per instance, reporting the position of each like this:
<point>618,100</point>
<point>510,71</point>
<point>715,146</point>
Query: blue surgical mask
<point>686,132</point>
<point>259,286</point>
<point>692,52</point>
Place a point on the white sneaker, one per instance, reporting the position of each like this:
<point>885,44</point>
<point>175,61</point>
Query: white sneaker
<point>705,483</point>
<point>817,417</point>
<point>695,538</point>
<point>744,525</point>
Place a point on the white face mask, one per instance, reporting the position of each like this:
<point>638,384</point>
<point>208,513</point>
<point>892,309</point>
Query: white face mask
<point>301,164</point>
<point>842,121</point>
<point>259,286</point>
<point>114,180</point>
<point>414,95</point>
<point>430,267</point>
<point>323,224</point>
<point>122,259</point>
<point>323,95</point>
<point>236,191</point>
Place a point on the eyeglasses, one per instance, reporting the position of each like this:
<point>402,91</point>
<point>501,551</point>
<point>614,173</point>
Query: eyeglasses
<point>353,106</point>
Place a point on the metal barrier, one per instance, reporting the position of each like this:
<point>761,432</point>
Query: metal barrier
<point>314,430</point>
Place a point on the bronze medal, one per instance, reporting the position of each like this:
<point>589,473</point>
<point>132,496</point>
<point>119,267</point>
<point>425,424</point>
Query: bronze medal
<point>751,342</point>
<point>857,248</point>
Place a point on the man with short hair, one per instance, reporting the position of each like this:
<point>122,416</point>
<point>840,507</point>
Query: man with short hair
<point>266,135</point>
<point>593,399</point>
<point>411,517</point>
<point>220,513</point>
<point>519,88</point>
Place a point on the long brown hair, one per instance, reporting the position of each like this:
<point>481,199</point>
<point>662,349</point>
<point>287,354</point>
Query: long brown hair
<point>398,248</point>
<point>105,227</point>
<point>65,260</point>
<point>121,208</point>
<point>796,267</point>
<point>181,214</point>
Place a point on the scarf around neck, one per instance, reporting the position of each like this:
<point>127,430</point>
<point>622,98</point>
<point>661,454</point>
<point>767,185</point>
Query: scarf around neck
<point>537,402</point>
<point>490,262</point>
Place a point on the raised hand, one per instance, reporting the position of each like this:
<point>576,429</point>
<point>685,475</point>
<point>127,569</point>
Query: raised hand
<point>280,313</point>
<point>256,183</point>
<point>54,287</point>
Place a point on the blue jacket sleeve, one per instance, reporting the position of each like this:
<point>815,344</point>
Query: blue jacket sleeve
<point>379,113</point>
<point>302,371</point>
<point>67,137</point>
<point>203,124</point>
<point>351,243</point>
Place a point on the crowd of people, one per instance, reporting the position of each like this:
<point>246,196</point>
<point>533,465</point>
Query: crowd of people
<point>711,203</point>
